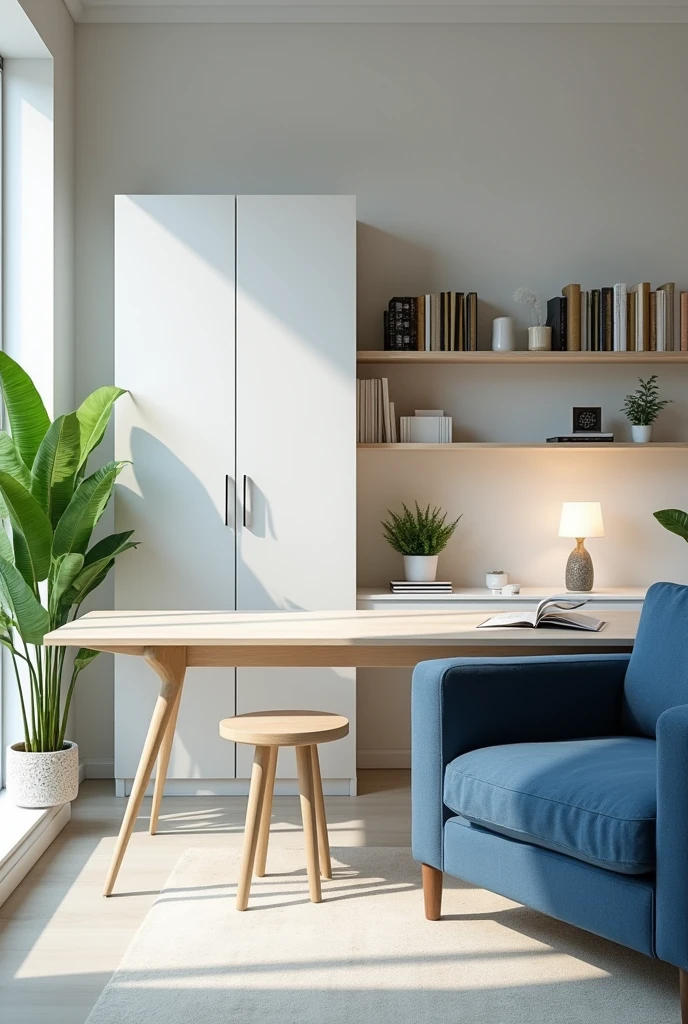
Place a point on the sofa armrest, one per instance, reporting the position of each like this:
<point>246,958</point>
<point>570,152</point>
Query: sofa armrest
<point>672,836</point>
<point>461,704</point>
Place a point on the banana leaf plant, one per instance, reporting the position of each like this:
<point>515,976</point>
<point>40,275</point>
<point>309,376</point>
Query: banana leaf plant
<point>673,520</point>
<point>48,510</point>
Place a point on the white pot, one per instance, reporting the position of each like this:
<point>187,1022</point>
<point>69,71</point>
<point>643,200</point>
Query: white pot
<point>503,336</point>
<point>641,434</point>
<point>43,780</point>
<point>420,568</point>
<point>539,339</point>
<point>496,580</point>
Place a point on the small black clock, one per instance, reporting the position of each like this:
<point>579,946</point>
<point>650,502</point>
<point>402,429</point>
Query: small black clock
<point>587,419</point>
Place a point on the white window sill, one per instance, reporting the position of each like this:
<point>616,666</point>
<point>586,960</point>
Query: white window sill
<point>24,836</point>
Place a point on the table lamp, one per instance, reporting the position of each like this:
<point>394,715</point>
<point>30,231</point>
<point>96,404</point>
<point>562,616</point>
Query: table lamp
<point>580,519</point>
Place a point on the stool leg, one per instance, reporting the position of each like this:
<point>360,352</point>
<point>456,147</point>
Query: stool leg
<point>264,830</point>
<point>321,820</point>
<point>261,760</point>
<point>304,762</point>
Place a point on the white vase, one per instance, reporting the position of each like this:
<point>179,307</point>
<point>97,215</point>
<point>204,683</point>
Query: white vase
<point>420,568</point>
<point>503,336</point>
<point>539,339</point>
<point>496,580</point>
<point>641,433</point>
<point>43,780</point>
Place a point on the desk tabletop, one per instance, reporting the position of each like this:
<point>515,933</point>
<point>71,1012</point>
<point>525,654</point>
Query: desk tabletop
<point>119,630</point>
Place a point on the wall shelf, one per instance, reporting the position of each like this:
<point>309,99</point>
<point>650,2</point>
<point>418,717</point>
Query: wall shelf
<point>588,446</point>
<point>516,358</point>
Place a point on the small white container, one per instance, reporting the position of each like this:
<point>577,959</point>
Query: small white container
<point>420,568</point>
<point>641,434</point>
<point>43,780</point>
<point>496,580</point>
<point>503,334</point>
<point>539,339</point>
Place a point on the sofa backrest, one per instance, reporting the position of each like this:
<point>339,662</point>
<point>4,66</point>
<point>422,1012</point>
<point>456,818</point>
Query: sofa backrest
<point>657,676</point>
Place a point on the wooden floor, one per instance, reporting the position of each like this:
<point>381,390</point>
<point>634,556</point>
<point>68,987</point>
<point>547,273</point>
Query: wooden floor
<point>60,940</point>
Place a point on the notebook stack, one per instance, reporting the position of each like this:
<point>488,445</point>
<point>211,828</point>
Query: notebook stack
<point>582,437</point>
<point>410,587</point>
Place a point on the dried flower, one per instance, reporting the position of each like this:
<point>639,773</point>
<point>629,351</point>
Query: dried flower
<point>525,297</point>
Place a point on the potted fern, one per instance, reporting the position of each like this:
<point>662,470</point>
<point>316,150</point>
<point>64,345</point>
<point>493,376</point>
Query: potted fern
<point>419,536</point>
<point>48,510</point>
<point>642,408</point>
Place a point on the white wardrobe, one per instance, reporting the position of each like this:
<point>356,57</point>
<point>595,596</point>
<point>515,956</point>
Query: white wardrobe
<point>235,335</point>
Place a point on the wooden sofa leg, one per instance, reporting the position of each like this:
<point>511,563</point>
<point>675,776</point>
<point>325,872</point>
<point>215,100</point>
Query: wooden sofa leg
<point>683,989</point>
<point>432,895</point>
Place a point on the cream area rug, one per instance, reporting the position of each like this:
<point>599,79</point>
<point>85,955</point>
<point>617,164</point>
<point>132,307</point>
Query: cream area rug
<point>366,954</point>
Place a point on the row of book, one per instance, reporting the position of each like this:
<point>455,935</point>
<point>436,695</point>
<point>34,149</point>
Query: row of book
<point>410,587</point>
<point>618,319</point>
<point>375,416</point>
<point>443,322</point>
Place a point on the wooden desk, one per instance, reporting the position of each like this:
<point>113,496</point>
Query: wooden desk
<point>171,640</point>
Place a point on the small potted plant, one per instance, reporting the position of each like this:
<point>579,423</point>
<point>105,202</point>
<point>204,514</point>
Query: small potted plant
<point>539,336</point>
<point>419,536</point>
<point>49,507</point>
<point>642,408</point>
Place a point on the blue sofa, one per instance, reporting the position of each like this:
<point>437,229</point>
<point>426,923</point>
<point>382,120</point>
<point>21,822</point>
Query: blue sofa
<point>562,782</point>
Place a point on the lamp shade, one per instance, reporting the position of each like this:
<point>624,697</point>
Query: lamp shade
<point>581,519</point>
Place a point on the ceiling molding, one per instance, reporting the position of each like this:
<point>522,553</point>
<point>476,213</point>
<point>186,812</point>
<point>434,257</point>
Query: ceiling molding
<point>143,12</point>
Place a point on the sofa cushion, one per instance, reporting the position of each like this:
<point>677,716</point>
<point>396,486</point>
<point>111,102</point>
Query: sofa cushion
<point>591,799</point>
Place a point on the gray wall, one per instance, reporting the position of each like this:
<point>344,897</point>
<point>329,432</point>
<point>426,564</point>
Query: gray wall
<point>484,157</point>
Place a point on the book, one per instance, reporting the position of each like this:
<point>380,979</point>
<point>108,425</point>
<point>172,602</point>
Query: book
<point>551,612</point>
<point>606,319</point>
<point>669,290</point>
<point>387,424</point>
<point>595,345</point>
<point>385,330</point>
<point>581,438</point>
<point>393,419</point>
<point>684,321</point>
<point>660,321</point>
<point>459,340</point>
<point>631,310</point>
<point>585,337</point>
<point>556,319</point>
<point>410,587</point>
<point>403,323</point>
<point>471,318</point>
<point>420,330</point>
<point>620,321</point>
<point>653,321</point>
<point>573,322</point>
<point>642,316</point>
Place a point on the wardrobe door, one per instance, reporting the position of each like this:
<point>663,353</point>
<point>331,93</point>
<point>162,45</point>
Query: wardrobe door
<point>174,351</point>
<point>296,458</point>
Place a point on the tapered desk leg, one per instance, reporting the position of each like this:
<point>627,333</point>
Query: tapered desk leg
<point>163,764</point>
<point>170,664</point>
<point>321,820</point>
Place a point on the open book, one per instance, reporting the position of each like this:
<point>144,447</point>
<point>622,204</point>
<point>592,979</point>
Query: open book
<point>555,612</point>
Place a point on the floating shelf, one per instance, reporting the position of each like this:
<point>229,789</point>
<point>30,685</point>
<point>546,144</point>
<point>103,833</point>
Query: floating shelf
<point>588,446</point>
<point>515,358</point>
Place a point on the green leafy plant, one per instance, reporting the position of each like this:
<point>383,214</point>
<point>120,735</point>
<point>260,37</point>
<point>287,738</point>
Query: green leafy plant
<point>673,520</point>
<point>644,405</point>
<point>48,510</point>
<point>423,532</point>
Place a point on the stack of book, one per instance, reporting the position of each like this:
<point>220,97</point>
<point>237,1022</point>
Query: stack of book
<point>443,322</point>
<point>581,437</point>
<point>409,588</point>
<point>618,319</point>
<point>375,416</point>
<point>428,426</point>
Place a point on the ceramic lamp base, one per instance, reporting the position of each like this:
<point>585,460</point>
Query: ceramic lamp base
<point>580,574</point>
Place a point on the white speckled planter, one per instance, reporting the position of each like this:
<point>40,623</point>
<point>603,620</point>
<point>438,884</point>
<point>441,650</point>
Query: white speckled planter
<point>42,780</point>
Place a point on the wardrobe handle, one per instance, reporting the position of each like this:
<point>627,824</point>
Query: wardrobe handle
<point>244,510</point>
<point>226,499</point>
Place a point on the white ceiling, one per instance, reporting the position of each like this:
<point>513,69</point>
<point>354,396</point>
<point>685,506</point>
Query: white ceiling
<point>377,11</point>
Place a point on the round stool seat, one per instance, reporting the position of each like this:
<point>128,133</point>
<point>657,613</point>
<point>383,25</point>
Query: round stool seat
<point>284,728</point>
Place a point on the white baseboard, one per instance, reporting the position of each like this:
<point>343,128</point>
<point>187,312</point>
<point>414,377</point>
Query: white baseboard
<point>24,854</point>
<point>235,787</point>
<point>384,758</point>
<point>96,768</point>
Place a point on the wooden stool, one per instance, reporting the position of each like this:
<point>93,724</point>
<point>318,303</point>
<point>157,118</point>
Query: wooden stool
<point>268,730</point>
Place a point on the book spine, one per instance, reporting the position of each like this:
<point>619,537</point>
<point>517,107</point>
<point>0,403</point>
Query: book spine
<point>420,318</point>
<point>607,319</point>
<point>595,320</point>
<point>631,310</point>
<point>573,317</point>
<point>653,321</point>
<point>472,333</point>
<point>670,290</point>
<point>684,321</point>
<point>641,293</point>
<point>620,321</point>
<point>385,330</point>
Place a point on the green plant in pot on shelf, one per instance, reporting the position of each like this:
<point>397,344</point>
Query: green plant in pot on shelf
<point>49,507</point>
<point>642,408</point>
<point>419,536</point>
